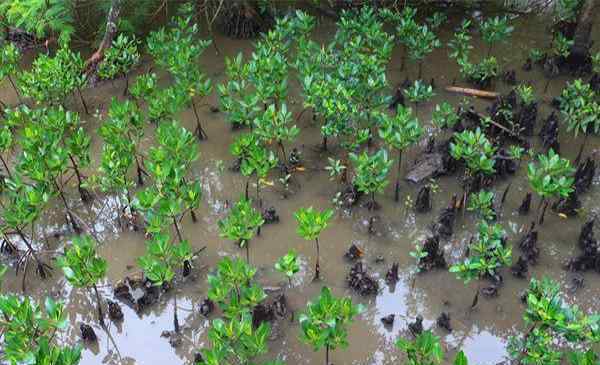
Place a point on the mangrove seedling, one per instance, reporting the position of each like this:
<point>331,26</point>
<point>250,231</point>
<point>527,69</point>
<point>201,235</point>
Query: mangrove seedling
<point>477,151</point>
<point>550,177</point>
<point>487,254</point>
<point>119,59</point>
<point>161,260</point>
<point>495,30</point>
<point>580,108</point>
<point>335,168</point>
<point>30,333</point>
<point>6,143</point>
<point>525,94</point>
<point>241,224</point>
<point>258,161</point>
<point>288,265</point>
<point>425,349</point>
<point>52,79</point>
<point>197,85</point>
<point>399,132</point>
<point>483,203</point>
<point>370,173</point>
<point>561,48</point>
<point>9,61</point>
<point>421,42</point>
<point>551,319</point>
<point>83,268</point>
<point>274,126</point>
<point>419,92</point>
<point>310,225</point>
<point>325,322</point>
<point>236,100</point>
<point>444,116</point>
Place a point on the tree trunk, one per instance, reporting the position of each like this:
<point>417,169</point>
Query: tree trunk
<point>317,266</point>
<point>582,39</point>
<point>111,31</point>
<point>99,303</point>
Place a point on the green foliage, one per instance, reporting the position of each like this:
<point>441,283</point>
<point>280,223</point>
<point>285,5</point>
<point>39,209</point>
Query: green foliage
<point>52,79</point>
<point>28,332</point>
<point>444,116</point>
<point>460,45</point>
<point>241,223</point>
<point>588,357</point>
<point>551,176</point>
<point>9,60</point>
<point>561,45</point>
<point>487,254</point>
<point>371,171</point>
<point>163,257</point>
<point>288,264</point>
<point>551,320</point>
<point>274,125</point>
<point>419,92</point>
<point>81,265</point>
<point>566,10</point>
<point>495,30</point>
<point>525,93</point>
<point>239,104</point>
<point>120,58</point>
<point>482,202</point>
<point>312,222</point>
<point>41,17</point>
<point>335,167</point>
<point>168,163</point>
<point>596,63</point>
<point>25,204</point>
<point>400,131</point>
<point>325,321</point>
<point>580,107</point>
<point>425,349</point>
<point>475,149</point>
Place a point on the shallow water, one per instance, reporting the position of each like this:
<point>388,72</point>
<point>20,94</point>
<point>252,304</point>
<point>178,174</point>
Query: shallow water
<point>482,334</point>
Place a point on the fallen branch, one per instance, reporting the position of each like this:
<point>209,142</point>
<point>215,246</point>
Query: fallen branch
<point>473,92</point>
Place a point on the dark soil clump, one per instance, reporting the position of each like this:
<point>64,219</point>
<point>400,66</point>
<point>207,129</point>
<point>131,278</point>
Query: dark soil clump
<point>528,245</point>
<point>435,255</point>
<point>87,333</point>
<point>359,280</point>
<point>423,200</point>
<point>443,321</point>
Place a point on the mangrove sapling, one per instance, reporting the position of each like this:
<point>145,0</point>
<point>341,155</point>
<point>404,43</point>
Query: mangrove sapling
<point>234,338</point>
<point>288,265</point>
<point>425,349</point>
<point>399,132</point>
<point>122,132</point>
<point>444,116</point>
<point>274,126</point>
<point>119,59</point>
<point>588,357</point>
<point>552,176</point>
<point>30,333</point>
<point>477,151</point>
<point>9,61</point>
<point>52,79</point>
<point>310,225</point>
<point>421,42</point>
<point>83,268</point>
<point>495,30</point>
<point>163,257</point>
<point>580,107</point>
<point>370,173</point>
<point>528,112</point>
<point>6,144</point>
<point>144,87</point>
<point>486,255</point>
<point>550,320</point>
<point>241,224</point>
<point>325,322</point>
<point>24,205</point>
<point>483,203</point>
<point>335,167</point>
<point>164,104</point>
<point>236,99</point>
<point>172,195</point>
<point>259,161</point>
<point>419,92</point>
<point>561,48</point>
<point>197,85</point>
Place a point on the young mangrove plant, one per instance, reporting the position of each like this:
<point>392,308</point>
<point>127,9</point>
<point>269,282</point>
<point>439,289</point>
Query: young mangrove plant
<point>119,59</point>
<point>399,132</point>
<point>444,116</point>
<point>580,107</point>
<point>483,203</point>
<point>325,321</point>
<point>83,268</point>
<point>426,349</point>
<point>9,62</point>
<point>550,177</point>
<point>419,92</point>
<point>310,225</point>
<point>173,193</point>
<point>495,30</point>
<point>274,125</point>
<point>241,224</point>
<point>24,205</point>
<point>234,338</point>
<point>421,42</point>
<point>30,333</point>
<point>52,79</point>
<point>163,257</point>
<point>487,254</point>
<point>370,173</point>
<point>550,321</point>
<point>288,265</point>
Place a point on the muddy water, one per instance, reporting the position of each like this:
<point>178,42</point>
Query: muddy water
<point>482,334</point>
